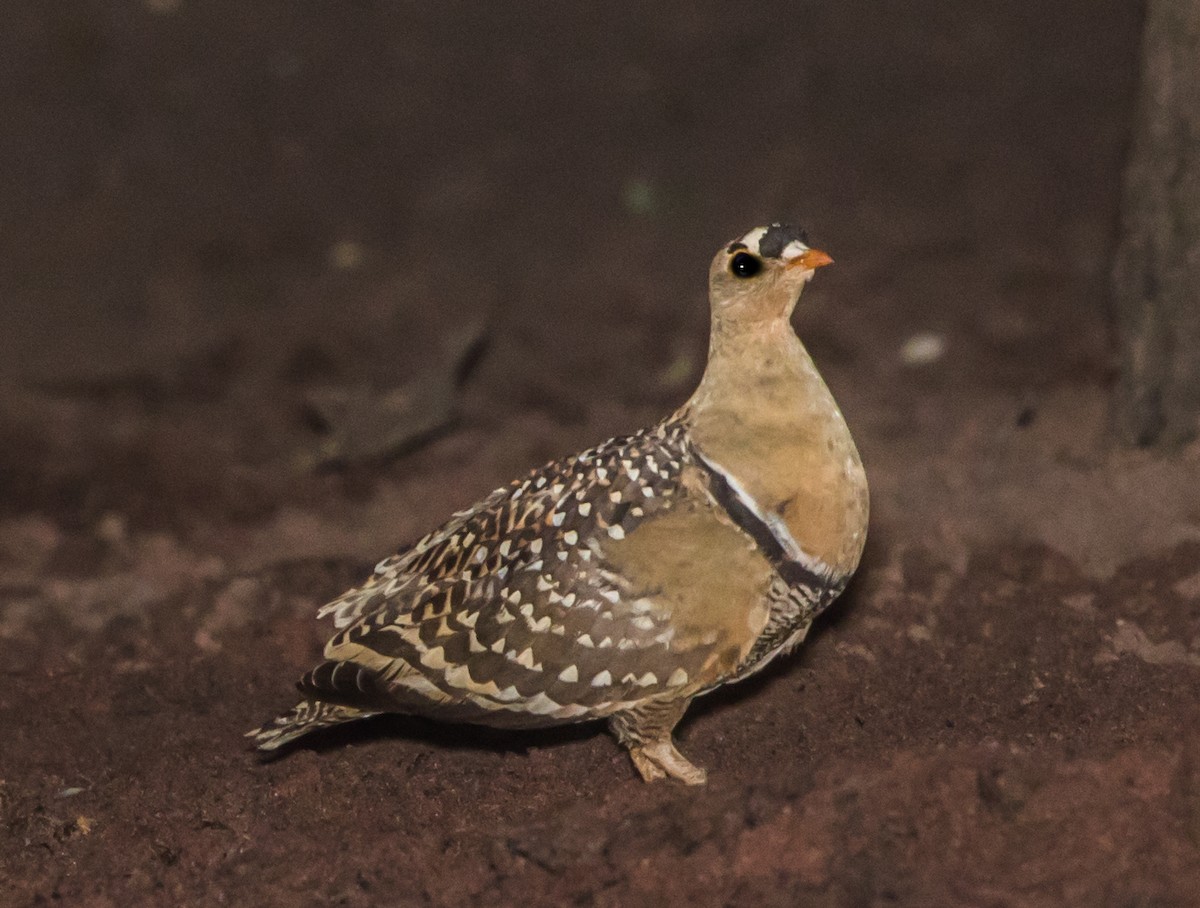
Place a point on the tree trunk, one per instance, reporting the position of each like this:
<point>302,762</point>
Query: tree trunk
<point>1156,278</point>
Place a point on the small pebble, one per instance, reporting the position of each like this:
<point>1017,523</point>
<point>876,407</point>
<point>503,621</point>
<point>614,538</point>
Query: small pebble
<point>640,197</point>
<point>346,255</point>
<point>923,348</point>
<point>113,529</point>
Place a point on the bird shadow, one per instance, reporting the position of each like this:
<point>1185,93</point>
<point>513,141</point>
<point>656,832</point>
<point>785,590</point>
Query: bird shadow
<point>448,736</point>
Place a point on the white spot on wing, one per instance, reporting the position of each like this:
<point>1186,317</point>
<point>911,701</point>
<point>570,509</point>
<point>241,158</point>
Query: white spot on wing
<point>434,658</point>
<point>541,705</point>
<point>526,658</point>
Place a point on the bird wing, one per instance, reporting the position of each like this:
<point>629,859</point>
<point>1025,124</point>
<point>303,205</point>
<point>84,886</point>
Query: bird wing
<point>596,582</point>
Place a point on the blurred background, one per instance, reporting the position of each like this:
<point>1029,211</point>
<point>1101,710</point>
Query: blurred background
<point>283,284</point>
<point>207,210</point>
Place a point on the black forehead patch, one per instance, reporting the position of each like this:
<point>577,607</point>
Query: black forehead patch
<point>775,240</point>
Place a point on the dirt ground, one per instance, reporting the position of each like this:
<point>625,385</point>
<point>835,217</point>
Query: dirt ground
<point>211,212</point>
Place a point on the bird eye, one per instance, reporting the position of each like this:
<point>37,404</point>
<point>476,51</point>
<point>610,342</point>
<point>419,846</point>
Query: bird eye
<point>745,265</point>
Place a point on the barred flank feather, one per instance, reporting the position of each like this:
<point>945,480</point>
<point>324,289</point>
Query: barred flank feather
<point>306,717</point>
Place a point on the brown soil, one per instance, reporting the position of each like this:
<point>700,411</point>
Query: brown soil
<point>209,210</point>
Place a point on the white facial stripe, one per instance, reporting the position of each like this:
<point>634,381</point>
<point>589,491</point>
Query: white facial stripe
<point>752,239</point>
<point>793,251</point>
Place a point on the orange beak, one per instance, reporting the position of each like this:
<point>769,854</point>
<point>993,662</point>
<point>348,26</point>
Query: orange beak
<point>811,260</point>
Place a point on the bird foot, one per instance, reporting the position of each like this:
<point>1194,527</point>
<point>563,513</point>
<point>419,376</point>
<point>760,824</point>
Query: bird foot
<point>660,760</point>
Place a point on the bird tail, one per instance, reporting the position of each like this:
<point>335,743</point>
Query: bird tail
<point>307,716</point>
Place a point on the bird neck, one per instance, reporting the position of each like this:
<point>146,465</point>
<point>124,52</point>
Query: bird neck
<point>755,363</point>
<point>764,416</point>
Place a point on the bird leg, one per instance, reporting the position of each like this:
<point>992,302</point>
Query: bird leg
<point>646,731</point>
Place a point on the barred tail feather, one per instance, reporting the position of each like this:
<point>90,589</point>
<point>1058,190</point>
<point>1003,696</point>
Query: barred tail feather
<point>307,716</point>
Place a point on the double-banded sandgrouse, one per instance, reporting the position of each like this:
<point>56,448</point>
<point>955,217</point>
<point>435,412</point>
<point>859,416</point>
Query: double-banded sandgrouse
<point>624,581</point>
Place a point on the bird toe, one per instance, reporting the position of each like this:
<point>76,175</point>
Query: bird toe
<point>662,760</point>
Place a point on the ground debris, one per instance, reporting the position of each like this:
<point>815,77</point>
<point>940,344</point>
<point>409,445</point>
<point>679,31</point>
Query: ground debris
<point>1131,639</point>
<point>365,424</point>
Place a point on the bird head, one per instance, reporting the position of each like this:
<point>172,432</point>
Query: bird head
<point>759,277</point>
